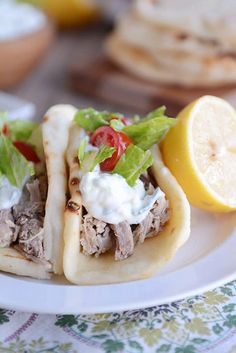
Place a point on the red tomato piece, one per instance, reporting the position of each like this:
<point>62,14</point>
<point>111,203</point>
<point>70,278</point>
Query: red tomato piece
<point>27,151</point>
<point>105,135</point>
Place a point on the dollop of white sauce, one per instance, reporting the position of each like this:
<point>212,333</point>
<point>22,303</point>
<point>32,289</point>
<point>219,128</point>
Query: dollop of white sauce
<point>17,19</point>
<point>9,194</point>
<point>109,198</point>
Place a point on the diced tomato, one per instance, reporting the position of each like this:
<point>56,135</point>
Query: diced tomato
<point>27,151</point>
<point>105,135</point>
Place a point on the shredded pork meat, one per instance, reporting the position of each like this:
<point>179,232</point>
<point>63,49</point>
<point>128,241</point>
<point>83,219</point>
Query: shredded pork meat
<point>154,221</point>
<point>96,236</point>
<point>8,230</point>
<point>124,240</point>
<point>140,232</point>
<point>22,225</point>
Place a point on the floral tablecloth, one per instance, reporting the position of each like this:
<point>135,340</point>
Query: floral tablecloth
<point>204,323</point>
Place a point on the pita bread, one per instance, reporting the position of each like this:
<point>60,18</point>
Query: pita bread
<point>55,130</point>
<point>56,125</point>
<point>172,68</point>
<point>180,42</point>
<point>12,261</point>
<point>138,32</point>
<point>148,257</point>
<point>211,67</point>
<point>213,19</point>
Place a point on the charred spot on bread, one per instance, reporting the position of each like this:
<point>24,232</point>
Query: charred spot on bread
<point>73,207</point>
<point>76,160</point>
<point>182,36</point>
<point>74,181</point>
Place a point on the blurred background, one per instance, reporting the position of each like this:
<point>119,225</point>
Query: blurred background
<point>120,55</point>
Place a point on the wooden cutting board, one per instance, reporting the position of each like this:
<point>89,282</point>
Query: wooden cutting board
<point>99,78</point>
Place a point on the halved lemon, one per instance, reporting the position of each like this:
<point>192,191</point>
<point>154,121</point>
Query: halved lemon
<point>200,150</point>
<point>68,13</point>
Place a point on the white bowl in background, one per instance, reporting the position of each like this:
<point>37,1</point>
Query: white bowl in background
<point>16,107</point>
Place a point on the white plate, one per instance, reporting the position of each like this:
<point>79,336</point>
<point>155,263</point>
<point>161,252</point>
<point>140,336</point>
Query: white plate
<point>205,262</point>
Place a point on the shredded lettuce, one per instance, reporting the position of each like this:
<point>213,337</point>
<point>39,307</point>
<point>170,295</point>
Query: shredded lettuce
<point>136,119</point>
<point>144,133</point>
<point>103,153</point>
<point>117,124</point>
<point>89,160</point>
<point>13,164</point>
<point>3,119</point>
<point>154,114</point>
<point>133,163</point>
<point>25,131</point>
<point>87,163</point>
<point>21,130</point>
<point>36,140</point>
<point>82,149</point>
<point>149,132</point>
<point>157,113</point>
<point>90,119</point>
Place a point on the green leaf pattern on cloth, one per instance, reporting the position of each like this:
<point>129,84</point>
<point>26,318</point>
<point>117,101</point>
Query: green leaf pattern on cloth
<point>4,316</point>
<point>36,346</point>
<point>197,324</point>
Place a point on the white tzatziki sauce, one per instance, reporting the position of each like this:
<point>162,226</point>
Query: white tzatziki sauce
<point>18,19</point>
<point>109,198</point>
<point>9,194</point>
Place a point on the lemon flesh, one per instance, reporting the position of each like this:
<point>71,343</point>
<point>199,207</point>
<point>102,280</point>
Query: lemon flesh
<point>200,150</point>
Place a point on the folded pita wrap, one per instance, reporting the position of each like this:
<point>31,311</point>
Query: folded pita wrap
<point>148,257</point>
<point>55,131</point>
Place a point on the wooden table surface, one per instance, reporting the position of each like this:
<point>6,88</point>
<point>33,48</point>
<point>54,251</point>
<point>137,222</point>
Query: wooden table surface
<point>49,84</point>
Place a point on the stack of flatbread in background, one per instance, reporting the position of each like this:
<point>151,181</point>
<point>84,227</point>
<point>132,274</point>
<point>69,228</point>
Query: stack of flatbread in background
<point>183,42</point>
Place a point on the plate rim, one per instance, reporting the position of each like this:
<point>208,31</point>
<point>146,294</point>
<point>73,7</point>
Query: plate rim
<point>224,275</point>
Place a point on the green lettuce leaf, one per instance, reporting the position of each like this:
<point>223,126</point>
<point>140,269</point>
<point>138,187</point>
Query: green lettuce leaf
<point>90,119</point>
<point>154,114</point>
<point>3,119</point>
<point>36,140</point>
<point>133,163</point>
<point>103,153</point>
<point>21,130</point>
<point>82,148</point>
<point>12,164</point>
<point>87,164</point>
<point>149,132</point>
<point>117,124</point>
<point>89,160</point>
<point>157,113</point>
